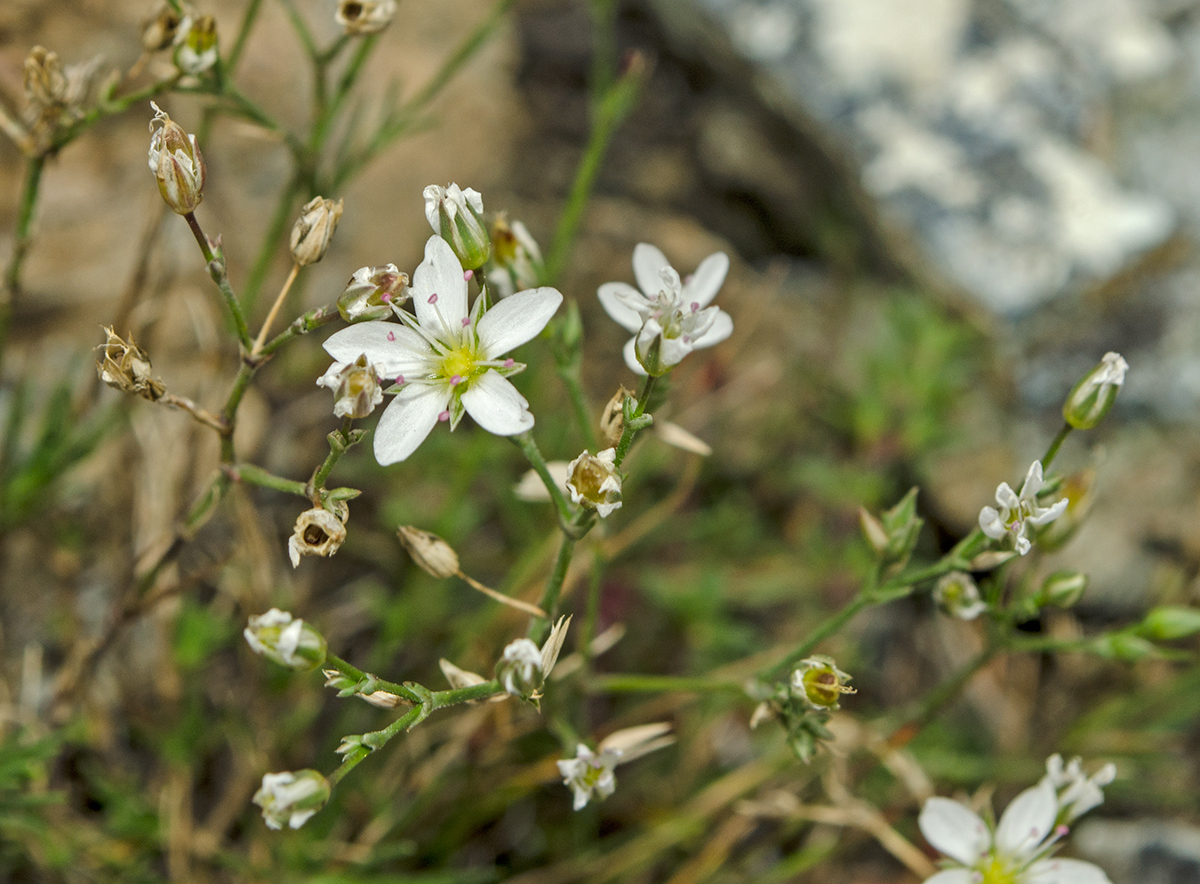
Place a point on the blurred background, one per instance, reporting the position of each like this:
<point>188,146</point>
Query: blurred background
<point>940,213</point>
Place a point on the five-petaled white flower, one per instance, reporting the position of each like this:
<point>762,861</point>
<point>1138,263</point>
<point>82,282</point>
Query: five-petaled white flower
<point>1016,852</point>
<point>591,774</point>
<point>1018,512</point>
<point>446,360</point>
<point>669,318</point>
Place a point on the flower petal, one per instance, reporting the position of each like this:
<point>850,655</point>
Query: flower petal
<point>952,876</point>
<point>628,318</point>
<point>407,421</point>
<point>1063,871</point>
<point>516,319</point>
<point>707,280</point>
<point>391,347</point>
<point>648,262</point>
<point>1027,821</point>
<point>631,357</point>
<point>440,274</point>
<point>496,405</point>
<point>955,830</point>
<point>991,524</point>
<point>721,328</point>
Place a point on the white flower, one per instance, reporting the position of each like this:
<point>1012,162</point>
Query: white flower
<point>523,667</point>
<point>1016,513</point>
<point>457,216</point>
<point>594,482</point>
<point>957,595</point>
<point>1017,852</point>
<point>291,798</point>
<point>289,642</point>
<point>355,385</point>
<point>446,361</point>
<point>591,774</point>
<point>669,319</point>
<point>1077,793</point>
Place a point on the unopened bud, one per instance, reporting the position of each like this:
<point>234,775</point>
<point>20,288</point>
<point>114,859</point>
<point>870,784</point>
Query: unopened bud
<point>819,683</point>
<point>1170,622</point>
<point>992,558</point>
<point>318,532</point>
<point>516,256</point>
<point>361,17</point>
<point>612,419</point>
<point>1078,491</point>
<point>1063,589</point>
<point>1094,395</point>
<point>290,798</point>
<point>519,669</point>
<point>126,367</point>
<point>457,217</point>
<point>45,80</point>
<point>314,229</point>
<point>176,162</point>
<point>287,641</point>
<point>196,47</point>
<point>432,555</point>
<point>957,595</point>
<point>162,29</point>
<point>355,386</point>
<point>594,482</point>
<point>371,292</point>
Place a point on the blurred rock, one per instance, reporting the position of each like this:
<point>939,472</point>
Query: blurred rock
<point>1147,851</point>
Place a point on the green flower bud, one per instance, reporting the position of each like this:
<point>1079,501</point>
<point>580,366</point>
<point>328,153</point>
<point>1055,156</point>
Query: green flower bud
<point>291,797</point>
<point>519,669</point>
<point>819,683</point>
<point>1170,622</point>
<point>1063,589</point>
<point>176,162</point>
<point>289,642</point>
<point>1094,395</point>
<point>457,217</point>
<point>371,292</point>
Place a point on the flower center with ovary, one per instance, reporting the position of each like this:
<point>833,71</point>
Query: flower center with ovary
<point>460,365</point>
<point>995,870</point>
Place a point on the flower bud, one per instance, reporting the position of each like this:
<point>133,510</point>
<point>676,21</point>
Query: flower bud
<point>516,256</point>
<point>318,532</point>
<point>819,683</point>
<point>176,162</point>
<point>361,17</point>
<point>196,45</point>
<point>612,419</point>
<point>594,482</point>
<point>371,292</point>
<point>1170,622</point>
<point>291,797</point>
<point>1063,589</point>
<point>45,80</point>
<point>161,30</point>
<point>1094,395</point>
<point>958,596</point>
<point>355,385</point>
<point>289,642</point>
<point>457,217</point>
<point>126,367</point>
<point>519,669</point>
<point>432,554</point>
<point>314,229</point>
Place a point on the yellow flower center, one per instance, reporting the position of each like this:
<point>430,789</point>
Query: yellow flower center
<point>996,871</point>
<point>461,363</point>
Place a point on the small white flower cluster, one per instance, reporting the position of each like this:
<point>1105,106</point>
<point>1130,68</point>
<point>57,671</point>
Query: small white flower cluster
<point>1018,849</point>
<point>1018,512</point>
<point>591,773</point>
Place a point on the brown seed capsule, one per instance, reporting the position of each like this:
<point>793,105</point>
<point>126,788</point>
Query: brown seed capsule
<point>318,532</point>
<point>612,420</point>
<point>361,17</point>
<point>177,163</point>
<point>45,80</point>
<point>314,229</point>
<point>161,30</point>
<point>126,367</point>
<point>432,554</point>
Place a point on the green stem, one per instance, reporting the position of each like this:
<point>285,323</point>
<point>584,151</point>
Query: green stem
<point>340,441</point>
<point>301,325</point>
<point>352,760</point>
<point>608,114</point>
<point>533,454</point>
<point>1055,444</point>
<point>256,475</point>
<point>215,259</point>
<point>636,684</point>
<point>583,413</point>
<point>538,627</point>
<point>373,683</point>
<point>21,239</point>
<point>604,46</point>
<point>243,34</point>
<point>632,423</point>
<point>829,627</point>
<point>241,383</point>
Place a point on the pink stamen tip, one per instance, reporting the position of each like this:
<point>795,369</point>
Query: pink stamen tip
<point>457,379</point>
<point>695,306</point>
<point>386,298</point>
<point>509,363</point>
<point>1062,831</point>
<point>687,339</point>
<point>399,379</point>
<point>444,416</point>
<point>391,336</point>
<point>433,298</point>
<point>466,320</point>
<point>468,274</point>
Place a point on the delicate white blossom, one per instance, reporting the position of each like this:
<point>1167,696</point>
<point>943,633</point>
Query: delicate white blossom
<point>957,595</point>
<point>1077,792</point>
<point>515,256</point>
<point>291,798</point>
<point>1018,512</point>
<point>355,387</point>
<point>196,44</point>
<point>668,318</point>
<point>1092,398</point>
<point>289,642</point>
<point>524,667</point>
<point>591,773</point>
<point>457,216</point>
<point>595,482</point>
<point>1017,851</point>
<point>371,292</point>
<point>446,361</point>
<point>819,683</point>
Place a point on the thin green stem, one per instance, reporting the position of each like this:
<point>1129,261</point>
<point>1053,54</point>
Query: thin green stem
<point>352,760</point>
<point>30,189</point>
<point>604,46</point>
<point>215,259</point>
<point>256,475</point>
<point>608,115</point>
<point>239,43</point>
<point>638,684</point>
<point>241,383</point>
<point>371,683</point>
<point>830,626</point>
<point>539,626</point>
<point>632,422</point>
<point>533,454</point>
<point>301,325</point>
<point>1055,444</point>
<point>583,413</point>
<point>340,441</point>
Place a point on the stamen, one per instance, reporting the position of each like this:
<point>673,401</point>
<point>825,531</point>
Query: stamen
<point>695,306</point>
<point>468,274</point>
<point>386,298</point>
<point>399,379</point>
<point>391,336</point>
<point>466,320</point>
<point>687,339</point>
<point>433,298</point>
<point>1062,831</point>
<point>456,380</point>
<point>509,363</point>
<point>444,416</point>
